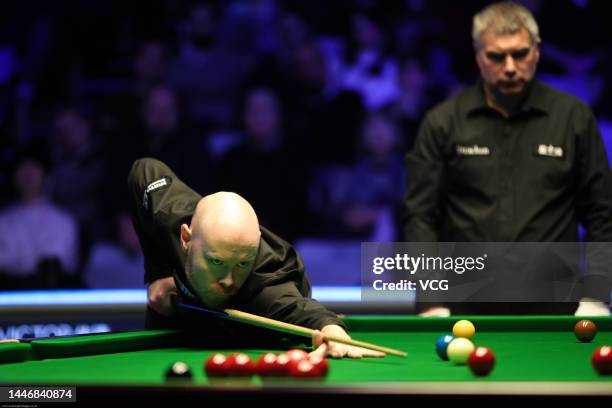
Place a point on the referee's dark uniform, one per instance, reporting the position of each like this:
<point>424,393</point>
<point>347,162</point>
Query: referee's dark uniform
<point>476,176</point>
<point>277,287</point>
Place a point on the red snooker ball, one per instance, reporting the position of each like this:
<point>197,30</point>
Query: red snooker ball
<point>481,361</point>
<point>585,330</point>
<point>602,360</point>
<point>297,354</point>
<point>239,365</point>
<point>304,369</point>
<point>282,364</point>
<point>267,365</point>
<point>320,364</point>
<point>215,365</point>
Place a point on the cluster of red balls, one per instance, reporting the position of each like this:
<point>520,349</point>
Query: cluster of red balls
<point>294,363</point>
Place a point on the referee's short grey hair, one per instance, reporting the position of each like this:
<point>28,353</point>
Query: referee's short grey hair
<point>504,18</point>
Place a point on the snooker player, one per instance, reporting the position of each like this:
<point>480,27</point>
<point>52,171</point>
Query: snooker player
<point>211,251</point>
<point>512,159</point>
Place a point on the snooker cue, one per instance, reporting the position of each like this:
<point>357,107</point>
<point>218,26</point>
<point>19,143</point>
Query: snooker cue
<point>304,331</point>
<point>277,325</point>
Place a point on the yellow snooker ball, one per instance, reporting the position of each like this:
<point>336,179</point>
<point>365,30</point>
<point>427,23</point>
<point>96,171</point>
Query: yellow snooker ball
<point>464,328</point>
<point>459,350</point>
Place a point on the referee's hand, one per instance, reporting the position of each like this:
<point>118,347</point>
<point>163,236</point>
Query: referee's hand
<point>592,307</point>
<point>160,294</point>
<point>338,350</point>
<point>436,311</point>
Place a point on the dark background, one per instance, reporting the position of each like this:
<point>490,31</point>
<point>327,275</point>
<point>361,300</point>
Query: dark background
<point>306,108</point>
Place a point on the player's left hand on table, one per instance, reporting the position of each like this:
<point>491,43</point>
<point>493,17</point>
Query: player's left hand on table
<point>338,350</point>
<point>592,307</point>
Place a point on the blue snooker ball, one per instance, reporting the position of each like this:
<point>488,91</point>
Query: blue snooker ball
<point>442,345</point>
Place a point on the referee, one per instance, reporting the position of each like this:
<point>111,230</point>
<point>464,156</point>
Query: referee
<point>511,159</point>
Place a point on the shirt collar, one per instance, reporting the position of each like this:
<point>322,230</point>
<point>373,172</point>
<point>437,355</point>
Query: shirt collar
<point>536,100</point>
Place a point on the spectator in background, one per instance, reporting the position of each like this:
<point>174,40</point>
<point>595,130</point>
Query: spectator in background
<point>275,66</point>
<point>125,127</point>
<point>207,72</point>
<point>369,69</point>
<point>574,72</point>
<point>150,66</point>
<point>118,263</point>
<point>149,69</point>
<point>412,99</point>
<point>75,182</point>
<point>294,32</point>
<point>373,198</point>
<point>319,118</point>
<point>166,134</point>
<point>162,131</point>
<point>33,231</point>
<point>161,124</point>
<point>310,75</point>
<point>322,121</point>
<point>566,62</point>
<point>264,169</point>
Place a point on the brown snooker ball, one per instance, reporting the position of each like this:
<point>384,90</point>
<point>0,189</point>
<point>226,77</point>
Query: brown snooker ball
<point>585,330</point>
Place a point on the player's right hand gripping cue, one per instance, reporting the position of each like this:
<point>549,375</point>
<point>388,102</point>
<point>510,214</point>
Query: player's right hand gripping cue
<point>338,350</point>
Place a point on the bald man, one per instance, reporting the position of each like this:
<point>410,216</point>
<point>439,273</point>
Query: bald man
<point>211,251</point>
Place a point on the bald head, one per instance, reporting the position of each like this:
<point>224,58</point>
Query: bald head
<point>227,218</point>
<point>222,243</point>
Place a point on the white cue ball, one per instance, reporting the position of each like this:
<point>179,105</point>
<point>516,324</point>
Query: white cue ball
<point>459,350</point>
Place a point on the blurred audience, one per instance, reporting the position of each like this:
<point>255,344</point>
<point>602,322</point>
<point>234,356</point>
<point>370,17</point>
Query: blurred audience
<point>265,169</point>
<point>362,201</point>
<point>148,69</point>
<point>377,184</point>
<point>149,66</point>
<point>306,108</point>
<point>116,263</point>
<point>36,234</point>
<point>75,181</point>
<point>322,118</point>
<point>369,67</point>
<point>413,99</point>
<point>165,133</point>
<point>162,131</point>
<point>205,72</point>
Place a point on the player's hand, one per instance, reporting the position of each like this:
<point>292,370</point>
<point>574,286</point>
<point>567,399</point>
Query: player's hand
<point>592,307</point>
<point>338,350</point>
<point>159,295</point>
<point>436,311</point>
